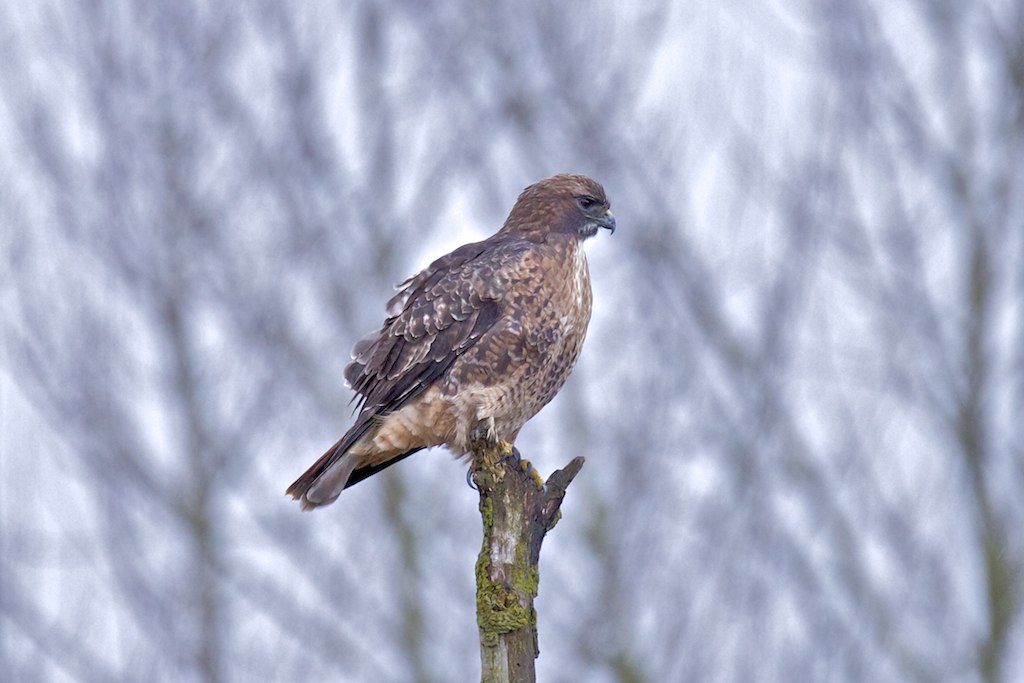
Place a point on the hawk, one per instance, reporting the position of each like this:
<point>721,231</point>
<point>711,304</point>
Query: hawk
<point>483,338</point>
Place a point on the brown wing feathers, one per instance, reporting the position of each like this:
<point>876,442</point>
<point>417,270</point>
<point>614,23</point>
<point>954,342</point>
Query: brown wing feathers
<point>402,365</point>
<point>436,316</point>
<point>442,315</point>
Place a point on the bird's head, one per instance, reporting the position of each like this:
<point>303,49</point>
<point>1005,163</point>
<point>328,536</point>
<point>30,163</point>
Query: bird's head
<point>565,203</point>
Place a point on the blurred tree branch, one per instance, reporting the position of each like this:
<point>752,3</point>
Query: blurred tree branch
<point>810,327</point>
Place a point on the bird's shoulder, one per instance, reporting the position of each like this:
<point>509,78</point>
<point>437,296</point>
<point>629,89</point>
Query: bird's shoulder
<point>479,270</point>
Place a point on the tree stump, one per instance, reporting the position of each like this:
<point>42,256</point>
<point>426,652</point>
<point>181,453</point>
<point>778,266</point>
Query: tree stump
<point>517,509</point>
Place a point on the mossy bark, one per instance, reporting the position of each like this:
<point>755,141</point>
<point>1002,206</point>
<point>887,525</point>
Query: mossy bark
<point>517,510</point>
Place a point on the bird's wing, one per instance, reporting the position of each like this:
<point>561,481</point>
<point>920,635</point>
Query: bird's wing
<point>434,318</point>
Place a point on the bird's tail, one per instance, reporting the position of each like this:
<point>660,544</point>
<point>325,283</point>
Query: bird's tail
<point>337,469</point>
<point>325,479</point>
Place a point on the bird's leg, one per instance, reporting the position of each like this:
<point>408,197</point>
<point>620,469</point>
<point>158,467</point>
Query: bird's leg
<point>487,449</point>
<point>484,432</point>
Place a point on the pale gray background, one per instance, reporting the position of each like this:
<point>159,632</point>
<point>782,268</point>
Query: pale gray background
<point>801,398</point>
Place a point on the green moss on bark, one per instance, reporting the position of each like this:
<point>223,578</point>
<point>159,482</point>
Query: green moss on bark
<point>499,608</point>
<point>516,509</point>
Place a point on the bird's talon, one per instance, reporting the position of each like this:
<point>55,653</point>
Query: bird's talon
<point>510,455</point>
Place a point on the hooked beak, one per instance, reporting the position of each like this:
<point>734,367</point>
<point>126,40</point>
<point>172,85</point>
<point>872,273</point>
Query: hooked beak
<point>607,220</point>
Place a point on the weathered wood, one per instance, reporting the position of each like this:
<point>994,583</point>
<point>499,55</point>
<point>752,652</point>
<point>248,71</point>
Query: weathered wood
<point>517,509</point>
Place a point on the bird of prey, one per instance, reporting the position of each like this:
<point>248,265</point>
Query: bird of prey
<point>481,339</point>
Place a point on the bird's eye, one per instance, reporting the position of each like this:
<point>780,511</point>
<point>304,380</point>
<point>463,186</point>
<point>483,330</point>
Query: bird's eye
<point>586,203</point>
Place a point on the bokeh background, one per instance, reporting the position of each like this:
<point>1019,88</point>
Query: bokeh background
<point>801,399</point>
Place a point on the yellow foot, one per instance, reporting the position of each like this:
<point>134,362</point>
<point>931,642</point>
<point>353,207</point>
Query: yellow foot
<point>529,469</point>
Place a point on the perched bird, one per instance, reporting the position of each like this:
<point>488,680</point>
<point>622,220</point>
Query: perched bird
<point>481,339</point>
